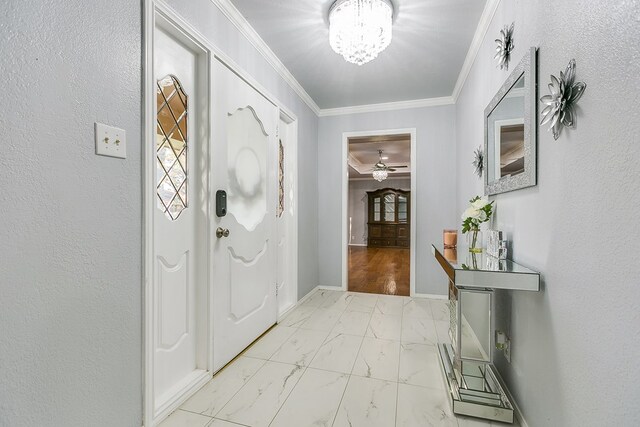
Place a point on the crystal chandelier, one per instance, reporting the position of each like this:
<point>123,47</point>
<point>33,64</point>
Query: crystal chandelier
<point>380,174</point>
<point>360,29</point>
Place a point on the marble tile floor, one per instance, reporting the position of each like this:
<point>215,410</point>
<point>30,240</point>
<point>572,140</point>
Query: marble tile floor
<point>339,359</point>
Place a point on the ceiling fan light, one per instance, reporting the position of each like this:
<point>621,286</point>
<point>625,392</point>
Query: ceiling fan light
<point>360,29</point>
<point>380,174</point>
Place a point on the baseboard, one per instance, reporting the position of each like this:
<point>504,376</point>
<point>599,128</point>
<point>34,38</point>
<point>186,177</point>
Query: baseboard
<point>297,304</point>
<point>358,244</point>
<point>191,386</point>
<point>431,296</point>
<point>286,312</point>
<point>516,408</point>
<point>331,288</point>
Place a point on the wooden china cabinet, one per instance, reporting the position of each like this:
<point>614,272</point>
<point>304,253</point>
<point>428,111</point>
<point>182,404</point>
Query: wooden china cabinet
<point>389,220</point>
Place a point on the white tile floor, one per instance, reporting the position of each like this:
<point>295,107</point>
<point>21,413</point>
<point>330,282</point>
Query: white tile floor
<point>339,359</point>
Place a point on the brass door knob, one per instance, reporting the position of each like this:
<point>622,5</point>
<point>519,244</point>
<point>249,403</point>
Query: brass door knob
<point>222,232</point>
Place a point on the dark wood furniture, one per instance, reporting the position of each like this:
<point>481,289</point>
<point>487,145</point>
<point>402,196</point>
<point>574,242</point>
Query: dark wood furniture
<point>389,219</point>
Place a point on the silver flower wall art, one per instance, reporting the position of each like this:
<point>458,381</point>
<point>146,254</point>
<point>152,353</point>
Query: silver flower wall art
<point>559,106</point>
<point>478,161</point>
<point>504,47</point>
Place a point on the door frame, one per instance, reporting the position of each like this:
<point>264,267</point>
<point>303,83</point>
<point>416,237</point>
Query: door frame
<point>345,202</point>
<point>156,14</point>
<point>151,9</point>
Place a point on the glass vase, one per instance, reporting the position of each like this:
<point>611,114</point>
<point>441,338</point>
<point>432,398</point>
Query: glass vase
<point>474,240</point>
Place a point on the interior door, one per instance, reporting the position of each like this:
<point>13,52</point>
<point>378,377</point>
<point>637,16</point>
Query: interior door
<point>244,155</point>
<point>179,227</point>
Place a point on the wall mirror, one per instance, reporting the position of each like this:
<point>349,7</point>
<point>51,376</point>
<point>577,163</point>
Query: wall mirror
<point>510,136</point>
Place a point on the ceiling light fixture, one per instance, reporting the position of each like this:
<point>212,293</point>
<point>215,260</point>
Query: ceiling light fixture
<point>380,170</point>
<point>380,174</point>
<point>360,29</point>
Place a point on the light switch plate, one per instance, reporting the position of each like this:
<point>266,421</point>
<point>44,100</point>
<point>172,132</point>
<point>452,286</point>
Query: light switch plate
<point>111,141</point>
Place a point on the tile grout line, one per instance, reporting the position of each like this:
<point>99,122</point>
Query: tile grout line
<point>288,395</point>
<point>306,368</point>
<point>352,366</point>
<point>395,421</point>
<point>241,387</point>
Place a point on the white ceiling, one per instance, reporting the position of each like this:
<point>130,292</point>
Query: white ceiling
<point>363,154</point>
<point>430,42</point>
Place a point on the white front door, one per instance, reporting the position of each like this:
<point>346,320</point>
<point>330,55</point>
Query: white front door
<point>180,219</point>
<point>244,165</point>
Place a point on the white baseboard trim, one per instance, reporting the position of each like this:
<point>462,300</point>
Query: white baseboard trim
<point>198,379</point>
<point>357,244</point>
<point>516,408</point>
<point>330,288</point>
<point>431,296</point>
<point>297,304</point>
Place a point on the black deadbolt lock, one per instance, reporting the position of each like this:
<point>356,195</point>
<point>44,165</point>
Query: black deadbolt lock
<point>221,203</point>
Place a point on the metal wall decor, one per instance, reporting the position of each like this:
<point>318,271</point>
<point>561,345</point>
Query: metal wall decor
<point>478,161</point>
<point>559,110</point>
<point>505,46</point>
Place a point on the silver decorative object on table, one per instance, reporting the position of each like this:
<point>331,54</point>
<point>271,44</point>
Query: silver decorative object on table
<point>478,161</point>
<point>559,110</point>
<point>505,46</point>
<point>496,244</point>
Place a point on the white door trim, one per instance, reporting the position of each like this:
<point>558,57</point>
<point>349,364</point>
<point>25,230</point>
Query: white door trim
<point>345,201</point>
<point>150,9</point>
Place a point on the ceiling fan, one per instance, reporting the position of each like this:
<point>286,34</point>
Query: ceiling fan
<point>380,170</point>
<point>382,166</point>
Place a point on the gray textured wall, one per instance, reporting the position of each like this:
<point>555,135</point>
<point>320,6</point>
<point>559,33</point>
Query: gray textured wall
<point>435,177</point>
<point>71,230</point>
<point>70,258</point>
<point>358,202</point>
<point>576,343</point>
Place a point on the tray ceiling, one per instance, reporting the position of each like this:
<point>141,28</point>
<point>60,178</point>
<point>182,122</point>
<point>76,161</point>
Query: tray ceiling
<point>430,42</point>
<point>363,155</point>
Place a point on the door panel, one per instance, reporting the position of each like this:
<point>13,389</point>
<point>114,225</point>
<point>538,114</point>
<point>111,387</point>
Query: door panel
<point>244,262</point>
<point>180,250</point>
<point>173,281</point>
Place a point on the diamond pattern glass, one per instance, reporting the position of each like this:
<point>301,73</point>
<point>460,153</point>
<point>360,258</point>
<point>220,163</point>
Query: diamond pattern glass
<point>280,179</point>
<point>171,151</point>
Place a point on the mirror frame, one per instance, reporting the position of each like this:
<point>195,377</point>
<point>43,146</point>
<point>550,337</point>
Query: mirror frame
<point>529,67</point>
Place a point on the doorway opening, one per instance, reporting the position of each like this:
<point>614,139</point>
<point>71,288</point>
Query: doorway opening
<point>378,212</point>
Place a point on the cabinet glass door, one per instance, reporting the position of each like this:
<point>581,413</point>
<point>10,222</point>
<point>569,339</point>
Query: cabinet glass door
<point>390,208</point>
<point>376,209</point>
<point>402,208</point>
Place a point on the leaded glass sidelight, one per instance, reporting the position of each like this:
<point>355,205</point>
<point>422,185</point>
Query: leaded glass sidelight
<point>172,144</point>
<point>280,179</point>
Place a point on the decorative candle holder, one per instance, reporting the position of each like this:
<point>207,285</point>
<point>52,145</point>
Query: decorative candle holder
<point>497,244</point>
<point>450,238</point>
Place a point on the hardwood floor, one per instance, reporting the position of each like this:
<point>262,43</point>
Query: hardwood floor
<point>379,270</point>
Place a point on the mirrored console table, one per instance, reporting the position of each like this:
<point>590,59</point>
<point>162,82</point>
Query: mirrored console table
<point>474,387</point>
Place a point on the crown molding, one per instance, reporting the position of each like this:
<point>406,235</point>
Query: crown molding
<point>481,31</point>
<point>387,106</point>
<point>239,21</point>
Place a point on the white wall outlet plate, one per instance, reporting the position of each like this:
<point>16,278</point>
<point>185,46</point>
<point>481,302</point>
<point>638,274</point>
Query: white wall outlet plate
<point>111,141</point>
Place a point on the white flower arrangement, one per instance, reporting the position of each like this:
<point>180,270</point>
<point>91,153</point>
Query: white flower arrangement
<point>479,211</point>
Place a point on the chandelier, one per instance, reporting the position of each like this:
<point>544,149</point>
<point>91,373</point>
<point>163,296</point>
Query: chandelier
<point>380,174</point>
<point>360,29</point>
